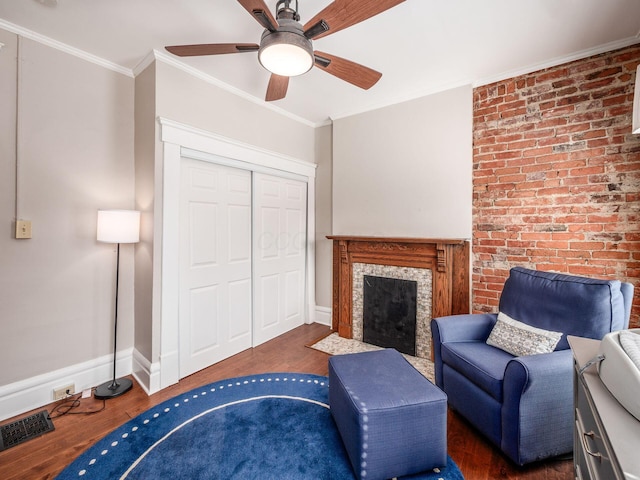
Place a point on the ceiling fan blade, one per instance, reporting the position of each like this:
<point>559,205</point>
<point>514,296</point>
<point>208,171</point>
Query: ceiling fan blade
<point>277,88</point>
<point>259,10</point>
<point>211,49</point>
<point>341,14</point>
<point>354,73</point>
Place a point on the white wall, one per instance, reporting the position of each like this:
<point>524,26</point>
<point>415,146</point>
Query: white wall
<point>76,156</point>
<point>405,170</point>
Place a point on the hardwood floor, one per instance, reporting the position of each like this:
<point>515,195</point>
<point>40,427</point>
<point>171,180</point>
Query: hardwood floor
<point>46,456</point>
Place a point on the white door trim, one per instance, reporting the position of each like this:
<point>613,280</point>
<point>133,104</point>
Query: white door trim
<point>177,137</point>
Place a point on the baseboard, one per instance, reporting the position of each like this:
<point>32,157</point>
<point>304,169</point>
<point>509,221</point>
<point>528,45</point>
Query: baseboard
<point>25,395</point>
<point>146,373</point>
<point>323,315</point>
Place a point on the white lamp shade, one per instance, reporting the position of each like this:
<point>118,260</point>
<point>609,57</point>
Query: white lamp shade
<point>118,226</point>
<point>636,104</point>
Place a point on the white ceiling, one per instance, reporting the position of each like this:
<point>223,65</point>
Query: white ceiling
<point>420,46</point>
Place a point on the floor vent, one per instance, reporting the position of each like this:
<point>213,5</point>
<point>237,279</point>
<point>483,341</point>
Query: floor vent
<point>25,429</point>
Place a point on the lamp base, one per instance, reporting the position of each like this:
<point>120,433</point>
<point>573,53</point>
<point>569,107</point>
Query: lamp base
<point>113,388</point>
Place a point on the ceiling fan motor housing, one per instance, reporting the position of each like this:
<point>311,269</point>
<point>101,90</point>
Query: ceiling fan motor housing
<point>289,41</point>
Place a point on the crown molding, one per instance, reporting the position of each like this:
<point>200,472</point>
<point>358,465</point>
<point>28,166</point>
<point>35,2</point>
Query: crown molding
<point>225,86</point>
<point>607,47</point>
<point>144,63</point>
<point>157,55</point>
<point>554,62</point>
<point>63,47</point>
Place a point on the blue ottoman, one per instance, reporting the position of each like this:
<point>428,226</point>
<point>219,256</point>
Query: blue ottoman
<point>392,420</point>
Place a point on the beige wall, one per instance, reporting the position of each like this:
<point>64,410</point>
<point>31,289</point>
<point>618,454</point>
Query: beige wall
<point>324,249</point>
<point>76,156</point>
<point>187,99</point>
<point>145,141</point>
<point>405,170</point>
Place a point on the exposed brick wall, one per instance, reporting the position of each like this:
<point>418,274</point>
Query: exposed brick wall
<point>556,175</point>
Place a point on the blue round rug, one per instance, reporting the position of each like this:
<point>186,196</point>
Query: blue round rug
<point>269,426</point>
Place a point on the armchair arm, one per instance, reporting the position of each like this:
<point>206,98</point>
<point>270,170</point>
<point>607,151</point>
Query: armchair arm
<point>458,328</point>
<point>537,411</point>
<point>463,328</point>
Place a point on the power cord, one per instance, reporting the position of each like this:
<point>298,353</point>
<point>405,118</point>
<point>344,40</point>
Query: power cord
<point>74,401</point>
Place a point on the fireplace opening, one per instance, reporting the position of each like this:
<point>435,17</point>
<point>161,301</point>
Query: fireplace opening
<point>389,313</point>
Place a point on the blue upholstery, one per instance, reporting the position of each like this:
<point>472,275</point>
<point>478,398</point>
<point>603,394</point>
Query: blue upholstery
<point>524,405</point>
<point>579,306</point>
<point>392,420</point>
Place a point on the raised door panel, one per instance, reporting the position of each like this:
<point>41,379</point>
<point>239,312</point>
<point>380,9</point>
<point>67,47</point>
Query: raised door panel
<point>215,264</point>
<point>279,206</point>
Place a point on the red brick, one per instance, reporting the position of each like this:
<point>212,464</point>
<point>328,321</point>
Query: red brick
<point>611,254</point>
<point>536,152</point>
<point>551,267</point>
<point>515,105</point>
<point>559,111</point>
<point>581,172</point>
<point>603,82</point>
<point>574,254</point>
<point>573,128</point>
<point>552,74</point>
<point>600,219</point>
<point>539,252</point>
<point>573,100</point>
<point>586,245</point>
<point>553,140</point>
<point>513,113</point>
<point>607,102</point>
<point>553,244</point>
<point>552,122</point>
<point>536,236</point>
<point>565,196</point>
<point>508,155</point>
<point>586,270</point>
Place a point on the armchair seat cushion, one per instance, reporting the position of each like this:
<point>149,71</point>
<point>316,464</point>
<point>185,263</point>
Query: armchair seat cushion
<point>482,364</point>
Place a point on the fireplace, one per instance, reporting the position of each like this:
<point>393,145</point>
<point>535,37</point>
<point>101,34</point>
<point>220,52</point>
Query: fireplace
<point>423,280</point>
<point>389,313</point>
<point>440,269</point>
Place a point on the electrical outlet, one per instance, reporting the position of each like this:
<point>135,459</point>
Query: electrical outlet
<point>64,392</point>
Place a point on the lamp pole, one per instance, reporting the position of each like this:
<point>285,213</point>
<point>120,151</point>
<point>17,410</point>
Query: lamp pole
<point>117,226</point>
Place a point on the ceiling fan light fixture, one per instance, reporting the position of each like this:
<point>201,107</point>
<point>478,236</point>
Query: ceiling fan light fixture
<point>286,53</point>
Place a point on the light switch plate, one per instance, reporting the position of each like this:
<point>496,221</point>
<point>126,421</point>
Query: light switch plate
<point>23,229</point>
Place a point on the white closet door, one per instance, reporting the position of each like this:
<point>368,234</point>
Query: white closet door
<point>215,264</point>
<point>279,248</point>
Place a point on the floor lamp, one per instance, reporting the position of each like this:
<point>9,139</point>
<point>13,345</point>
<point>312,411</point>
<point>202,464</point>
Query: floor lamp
<point>117,226</point>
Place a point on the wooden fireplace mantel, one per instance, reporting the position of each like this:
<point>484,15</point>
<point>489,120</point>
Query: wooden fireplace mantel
<point>448,260</point>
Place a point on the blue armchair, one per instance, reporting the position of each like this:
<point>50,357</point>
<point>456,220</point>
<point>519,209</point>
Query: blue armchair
<point>524,404</point>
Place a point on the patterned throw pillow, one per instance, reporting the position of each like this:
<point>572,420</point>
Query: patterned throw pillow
<point>519,339</point>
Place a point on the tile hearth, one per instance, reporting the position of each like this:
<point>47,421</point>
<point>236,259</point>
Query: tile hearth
<point>334,344</point>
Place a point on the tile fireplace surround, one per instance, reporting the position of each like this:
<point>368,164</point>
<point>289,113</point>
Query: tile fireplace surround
<point>446,262</point>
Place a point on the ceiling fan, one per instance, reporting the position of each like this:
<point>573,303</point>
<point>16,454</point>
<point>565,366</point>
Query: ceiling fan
<point>286,48</point>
